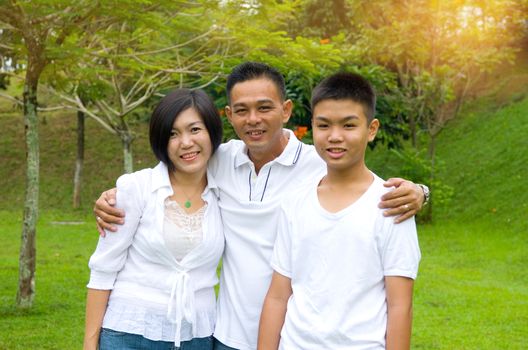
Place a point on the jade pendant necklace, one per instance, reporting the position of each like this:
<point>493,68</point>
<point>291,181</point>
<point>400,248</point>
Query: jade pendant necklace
<point>187,204</point>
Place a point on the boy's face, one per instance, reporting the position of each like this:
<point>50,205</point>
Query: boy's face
<point>341,133</point>
<point>257,113</point>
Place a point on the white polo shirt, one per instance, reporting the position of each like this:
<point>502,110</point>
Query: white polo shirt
<point>249,205</point>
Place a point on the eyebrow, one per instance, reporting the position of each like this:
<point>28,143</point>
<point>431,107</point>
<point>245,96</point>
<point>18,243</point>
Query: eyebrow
<point>191,124</point>
<point>345,119</point>
<point>262,101</point>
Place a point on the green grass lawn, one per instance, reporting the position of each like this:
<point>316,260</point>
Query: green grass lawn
<point>471,291</point>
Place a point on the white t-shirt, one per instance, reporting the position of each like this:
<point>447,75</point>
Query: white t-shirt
<point>249,205</point>
<point>337,263</point>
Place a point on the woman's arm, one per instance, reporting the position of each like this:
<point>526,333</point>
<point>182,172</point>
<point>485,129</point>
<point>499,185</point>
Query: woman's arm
<point>399,312</point>
<point>96,301</point>
<point>274,312</point>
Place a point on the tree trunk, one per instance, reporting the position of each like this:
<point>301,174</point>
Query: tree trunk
<point>27,258</point>
<point>77,177</point>
<point>127,153</point>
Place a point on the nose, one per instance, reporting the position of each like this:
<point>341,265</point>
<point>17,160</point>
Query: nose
<point>253,117</point>
<point>186,140</point>
<point>335,135</point>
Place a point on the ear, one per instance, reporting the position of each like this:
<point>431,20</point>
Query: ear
<point>373,129</point>
<point>228,113</point>
<point>287,109</point>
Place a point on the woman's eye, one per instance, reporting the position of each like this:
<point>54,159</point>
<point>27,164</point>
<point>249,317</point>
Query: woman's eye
<point>195,130</point>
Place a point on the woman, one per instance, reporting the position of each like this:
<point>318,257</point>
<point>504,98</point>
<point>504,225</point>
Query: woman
<point>152,283</point>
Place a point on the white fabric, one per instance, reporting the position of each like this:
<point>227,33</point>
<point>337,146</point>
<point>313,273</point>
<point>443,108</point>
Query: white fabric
<point>337,263</point>
<point>147,282</point>
<point>182,231</point>
<point>250,205</point>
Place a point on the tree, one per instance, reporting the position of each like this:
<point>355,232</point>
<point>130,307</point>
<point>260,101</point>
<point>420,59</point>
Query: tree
<point>37,30</point>
<point>132,60</point>
<point>439,51</point>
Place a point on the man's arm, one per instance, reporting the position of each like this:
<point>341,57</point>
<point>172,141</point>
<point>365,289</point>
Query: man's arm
<point>274,312</point>
<point>96,301</point>
<point>106,214</point>
<point>399,312</point>
<point>405,201</point>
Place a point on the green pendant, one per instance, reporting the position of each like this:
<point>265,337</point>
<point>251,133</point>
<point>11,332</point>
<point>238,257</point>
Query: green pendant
<point>187,204</point>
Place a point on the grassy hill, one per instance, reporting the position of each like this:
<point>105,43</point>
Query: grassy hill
<point>472,289</point>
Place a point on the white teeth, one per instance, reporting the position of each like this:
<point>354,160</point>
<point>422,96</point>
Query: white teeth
<point>189,155</point>
<point>254,133</point>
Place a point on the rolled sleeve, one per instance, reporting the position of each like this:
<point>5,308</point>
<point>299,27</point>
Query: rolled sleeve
<point>112,250</point>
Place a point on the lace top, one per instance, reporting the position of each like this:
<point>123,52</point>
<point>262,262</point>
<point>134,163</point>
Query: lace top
<point>182,232</point>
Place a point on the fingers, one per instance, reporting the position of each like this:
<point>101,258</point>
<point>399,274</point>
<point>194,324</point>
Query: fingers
<point>106,214</point>
<point>401,213</point>
<point>394,182</point>
<point>102,232</point>
<point>403,202</point>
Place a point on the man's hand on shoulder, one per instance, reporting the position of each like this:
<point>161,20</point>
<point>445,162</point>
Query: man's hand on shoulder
<point>405,201</point>
<point>106,214</point>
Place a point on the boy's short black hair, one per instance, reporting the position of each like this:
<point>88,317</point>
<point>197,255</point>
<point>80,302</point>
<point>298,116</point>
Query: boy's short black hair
<point>255,70</point>
<point>346,86</point>
<point>170,107</point>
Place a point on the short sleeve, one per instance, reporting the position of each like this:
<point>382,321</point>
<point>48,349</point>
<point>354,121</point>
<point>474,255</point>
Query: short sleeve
<point>112,250</point>
<point>282,254</point>
<point>400,251</point>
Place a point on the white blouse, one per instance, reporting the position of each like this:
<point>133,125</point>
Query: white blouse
<point>154,294</point>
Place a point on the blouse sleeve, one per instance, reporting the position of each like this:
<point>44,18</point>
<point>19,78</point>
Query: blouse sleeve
<point>112,250</point>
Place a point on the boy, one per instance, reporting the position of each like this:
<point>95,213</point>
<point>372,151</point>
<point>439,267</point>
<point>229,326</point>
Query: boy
<point>343,273</point>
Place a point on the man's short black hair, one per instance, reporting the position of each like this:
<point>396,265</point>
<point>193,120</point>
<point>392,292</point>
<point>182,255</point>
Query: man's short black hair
<point>346,86</point>
<point>170,107</point>
<point>255,70</point>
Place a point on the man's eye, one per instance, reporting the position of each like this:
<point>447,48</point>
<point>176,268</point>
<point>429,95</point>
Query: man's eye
<point>265,108</point>
<point>239,111</point>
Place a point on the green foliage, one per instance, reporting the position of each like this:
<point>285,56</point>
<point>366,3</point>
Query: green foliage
<point>416,165</point>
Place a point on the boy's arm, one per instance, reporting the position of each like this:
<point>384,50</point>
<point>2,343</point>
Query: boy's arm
<point>405,201</point>
<point>96,301</point>
<point>273,312</point>
<point>399,312</point>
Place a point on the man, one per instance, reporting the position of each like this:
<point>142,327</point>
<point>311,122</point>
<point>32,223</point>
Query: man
<point>253,175</point>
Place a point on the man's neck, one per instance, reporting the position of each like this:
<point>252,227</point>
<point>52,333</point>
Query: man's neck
<point>261,158</point>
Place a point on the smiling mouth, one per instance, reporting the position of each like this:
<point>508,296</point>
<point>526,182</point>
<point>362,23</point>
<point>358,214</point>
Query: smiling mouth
<point>335,150</point>
<point>189,156</point>
<point>255,132</point>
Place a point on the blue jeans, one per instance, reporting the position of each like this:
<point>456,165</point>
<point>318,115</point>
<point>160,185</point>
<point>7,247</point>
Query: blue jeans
<point>218,345</point>
<point>114,340</point>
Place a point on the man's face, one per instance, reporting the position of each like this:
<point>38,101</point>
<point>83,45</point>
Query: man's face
<point>258,113</point>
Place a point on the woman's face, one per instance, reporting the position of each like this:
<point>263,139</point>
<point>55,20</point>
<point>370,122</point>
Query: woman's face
<point>189,145</point>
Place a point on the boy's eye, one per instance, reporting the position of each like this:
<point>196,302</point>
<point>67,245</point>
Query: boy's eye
<point>349,126</point>
<point>322,126</point>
